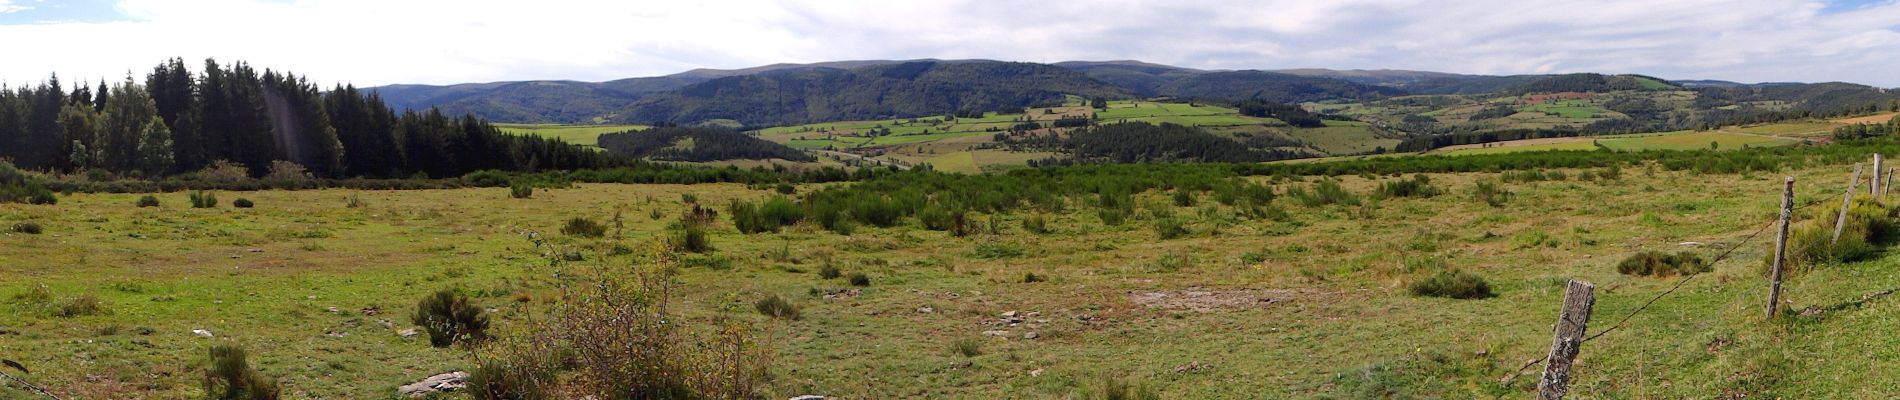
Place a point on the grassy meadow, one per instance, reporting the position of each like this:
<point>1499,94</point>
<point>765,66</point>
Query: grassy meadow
<point>1310,302</point>
<point>585,135</point>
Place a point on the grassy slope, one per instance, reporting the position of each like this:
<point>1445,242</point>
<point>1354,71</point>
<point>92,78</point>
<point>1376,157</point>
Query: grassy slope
<point>1337,278</point>
<point>577,134</point>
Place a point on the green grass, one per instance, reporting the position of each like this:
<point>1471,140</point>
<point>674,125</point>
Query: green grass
<point>959,162</point>
<point>1685,140</point>
<point>587,135</point>
<point>1800,128</point>
<point>1337,277</point>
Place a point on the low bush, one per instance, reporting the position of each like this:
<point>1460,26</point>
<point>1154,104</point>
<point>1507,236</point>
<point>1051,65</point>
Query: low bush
<point>522,377</point>
<point>770,216</point>
<point>829,271</point>
<point>1419,186</point>
<point>230,377</point>
<point>1326,192</point>
<point>80,306</point>
<point>1183,198</point>
<point>203,199</point>
<point>520,190</point>
<point>967,347</point>
<point>1656,263</point>
<point>148,201</point>
<point>1170,228</point>
<point>1490,193</point>
<point>30,228</point>
<point>1036,224</point>
<point>583,227</point>
<point>1031,277</point>
<point>859,279</point>
<point>450,318</point>
<point>1453,284</point>
<point>776,307</point>
<point>243,203</point>
<point>692,238</point>
<point>1116,389</point>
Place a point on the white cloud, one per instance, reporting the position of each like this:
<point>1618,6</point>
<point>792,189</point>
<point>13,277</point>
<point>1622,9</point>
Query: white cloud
<point>7,6</point>
<point>372,42</point>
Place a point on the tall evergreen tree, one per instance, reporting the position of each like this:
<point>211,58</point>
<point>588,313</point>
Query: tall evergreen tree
<point>100,96</point>
<point>123,142</point>
<point>175,91</point>
<point>44,142</point>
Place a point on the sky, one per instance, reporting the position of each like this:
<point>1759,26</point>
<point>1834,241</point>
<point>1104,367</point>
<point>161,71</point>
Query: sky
<point>378,42</point>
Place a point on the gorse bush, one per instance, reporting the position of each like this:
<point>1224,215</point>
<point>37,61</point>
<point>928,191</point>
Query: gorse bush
<point>1036,224</point>
<point>1418,186</point>
<point>1170,228</point>
<point>448,317</point>
<point>859,279</point>
<point>148,201</point>
<point>829,271</point>
<point>29,227</point>
<point>1117,389</point>
<point>243,203</point>
<point>80,306</point>
<point>584,227</point>
<point>1655,263</point>
<point>1452,284</point>
<point>1869,228</point>
<point>229,376</point>
<point>775,307</point>
<point>967,347</point>
<point>692,238</point>
<point>17,187</point>
<point>203,199</point>
<point>518,377</point>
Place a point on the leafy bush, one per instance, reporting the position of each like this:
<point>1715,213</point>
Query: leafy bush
<point>203,199</point>
<point>1453,284</point>
<point>1490,193</point>
<point>1655,263</point>
<point>230,377</point>
<point>243,203</point>
<point>1112,217</point>
<point>1183,198</point>
<point>520,190</point>
<point>522,377</point>
<point>30,228</point>
<point>1418,186</point>
<point>1031,277</point>
<point>148,201</point>
<point>692,238</point>
<point>770,216</point>
<point>17,187</point>
<point>1116,389</point>
<point>787,188</point>
<point>859,279</point>
<point>449,318</point>
<point>775,307</point>
<point>80,306</point>
<point>583,227</point>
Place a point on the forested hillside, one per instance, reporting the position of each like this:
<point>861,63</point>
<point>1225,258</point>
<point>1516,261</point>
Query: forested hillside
<point>881,91</point>
<point>178,121</point>
<point>697,144</point>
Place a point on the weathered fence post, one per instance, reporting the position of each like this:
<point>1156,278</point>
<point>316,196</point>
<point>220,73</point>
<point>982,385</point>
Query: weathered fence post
<point>1873,186</point>
<point>1579,296</point>
<point>1781,248</point>
<point>1846,201</point>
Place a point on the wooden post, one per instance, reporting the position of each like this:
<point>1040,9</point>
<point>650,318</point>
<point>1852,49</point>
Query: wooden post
<point>1579,296</point>
<point>1888,186</point>
<point>1873,186</point>
<point>1846,201</point>
<point>1781,248</point>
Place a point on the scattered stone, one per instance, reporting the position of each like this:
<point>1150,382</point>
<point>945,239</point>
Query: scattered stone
<point>311,297</point>
<point>201,332</point>
<point>1192,367</point>
<point>386,324</point>
<point>925,310</point>
<point>996,333</point>
<point>445,382</point>
<point>1691,244</point>
<point>1812,311</point>
<point>1036,372</point>
<point>254,250</point>
<point>372,311</point>
<point>1030,335</point>
<point>333,310</point>
<point>337,334</point>
<point>836,294</point>
<point>809,397</point>
<point>1204,300</point>
<point>411,332</point>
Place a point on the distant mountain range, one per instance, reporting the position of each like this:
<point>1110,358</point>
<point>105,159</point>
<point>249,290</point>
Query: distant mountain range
<point>865,89</point>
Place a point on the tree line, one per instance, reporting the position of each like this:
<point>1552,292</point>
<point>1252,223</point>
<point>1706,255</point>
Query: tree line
<point>176,121</point>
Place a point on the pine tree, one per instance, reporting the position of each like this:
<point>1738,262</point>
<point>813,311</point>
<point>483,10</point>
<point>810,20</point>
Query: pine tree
<point>128,116</point>
<point>100,96</point>
<point>175,91</point>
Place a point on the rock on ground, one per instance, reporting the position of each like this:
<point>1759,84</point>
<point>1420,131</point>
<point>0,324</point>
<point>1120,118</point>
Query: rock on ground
<point>444,382</point>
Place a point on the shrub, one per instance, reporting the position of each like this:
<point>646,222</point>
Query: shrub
<point>285,171</point>
<point>787,188</point>
<point>449,318</point>
<point>17,187</point>
<point>1112,217</point>
<point>770,216</point>
<point>967,347</point>
<point>829,271</point>
<point>42,197</point>
<point>1655,263</point>
<point>203,199</point>
<point>692,238</point>
<point>225,171</point>
<point>354,201</point>
<point>1419,186</point>
<point>230,377</point>
<point>1490,193</point>
<point>148,201</point>
<point>1183,198</point>
<point>1031,277</point>
<point>243,203</point>
<point>1170,228</point>
<point>30,228</point>
<point>859,279</point>
<point>80,306</point>
<point>583,227</point>
<point>1036,224</point>
<point>775,307</point>
<point>995,250</point>
<point>520,190</point>
<point>522,377</point>
<point>1453,284</point>
<point>1326,192</point>
<point>1116,389</point>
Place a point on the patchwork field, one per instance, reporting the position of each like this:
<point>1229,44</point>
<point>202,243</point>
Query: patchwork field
<point>1313,303</point>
